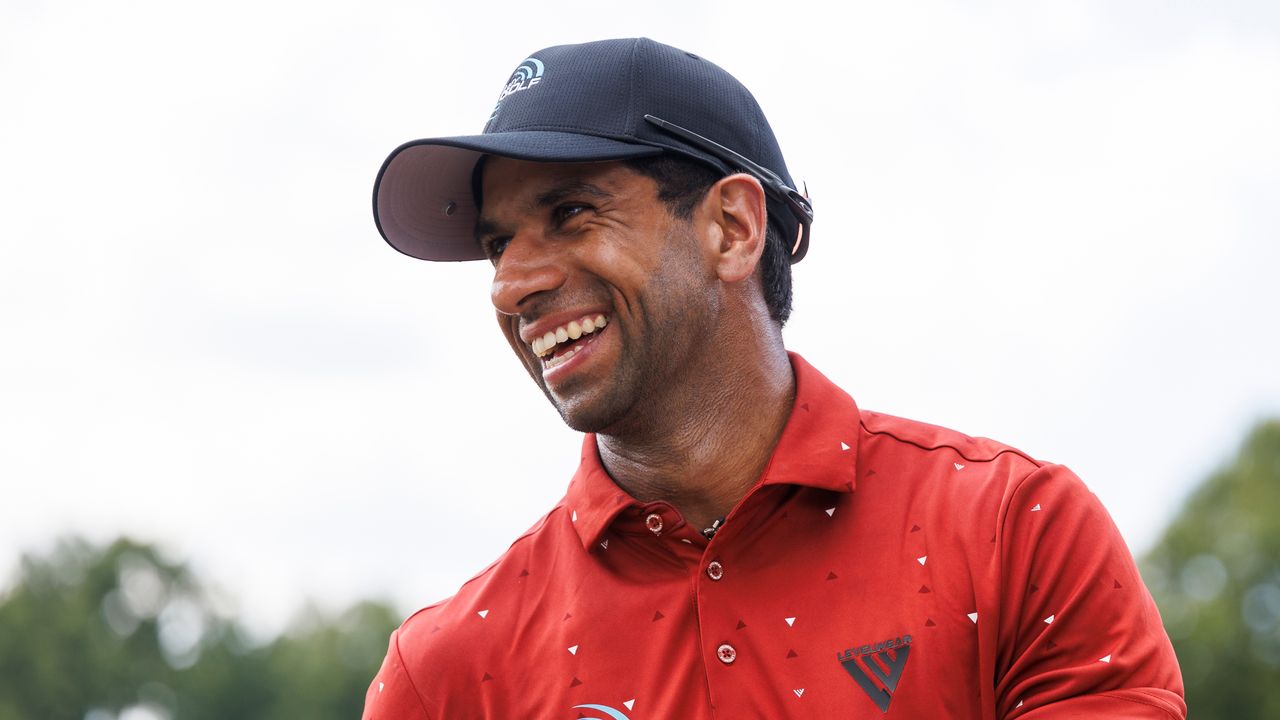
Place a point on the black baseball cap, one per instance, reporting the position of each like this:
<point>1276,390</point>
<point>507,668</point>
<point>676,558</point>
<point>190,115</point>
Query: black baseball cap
<point>598,101</point>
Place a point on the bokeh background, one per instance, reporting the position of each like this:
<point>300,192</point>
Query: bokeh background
<point>241,438</point>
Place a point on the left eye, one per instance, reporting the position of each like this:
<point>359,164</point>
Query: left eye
<point>565,212</point>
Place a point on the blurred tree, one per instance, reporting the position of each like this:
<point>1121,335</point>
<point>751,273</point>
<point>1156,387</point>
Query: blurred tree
<point>1216,577</point>
<point>91,633</point>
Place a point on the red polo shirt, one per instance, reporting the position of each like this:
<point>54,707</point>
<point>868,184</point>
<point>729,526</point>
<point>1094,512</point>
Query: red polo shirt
<point>879,568</point>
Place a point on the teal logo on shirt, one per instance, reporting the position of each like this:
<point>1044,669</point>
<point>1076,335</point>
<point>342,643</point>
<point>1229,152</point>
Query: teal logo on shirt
<point>612,713</point>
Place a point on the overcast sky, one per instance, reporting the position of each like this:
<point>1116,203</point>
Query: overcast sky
<point>1051,223</point>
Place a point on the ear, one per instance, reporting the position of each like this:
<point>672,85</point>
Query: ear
<point>738,216</point>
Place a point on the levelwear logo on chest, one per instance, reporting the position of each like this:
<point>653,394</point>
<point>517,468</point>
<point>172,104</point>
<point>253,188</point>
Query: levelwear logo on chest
<point>878,667</point>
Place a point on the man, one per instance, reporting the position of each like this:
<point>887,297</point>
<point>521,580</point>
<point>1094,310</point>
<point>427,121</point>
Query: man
<point>740,540</point>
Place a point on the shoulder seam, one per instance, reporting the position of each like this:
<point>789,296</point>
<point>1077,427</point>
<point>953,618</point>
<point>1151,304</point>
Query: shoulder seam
<point>1155,702</point>
<point>409,676</point>
<point>958,451</point>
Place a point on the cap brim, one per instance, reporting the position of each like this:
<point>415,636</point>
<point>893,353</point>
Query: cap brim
<point>422,200</point>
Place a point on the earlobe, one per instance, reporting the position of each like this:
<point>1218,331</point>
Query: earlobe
<point>740,216</point>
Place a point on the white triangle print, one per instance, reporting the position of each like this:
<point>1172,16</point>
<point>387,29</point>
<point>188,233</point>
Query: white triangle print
<point>631,704</point>
<point>790,621</point>
<point>1049,620</point>
<point>1036,508</point>
<point>573,650</point>
<point>605,544</point>
<point>1105,659</point>
<point>379,687</point>
<point>831,512</point>
<point>1019,704</point>
<point>574,516</point>
<point>844,446</point>
<point>799,692</point>
<point>483,613</point>
<point>958,466</point>
<point>922,558</point>
<point>974,618</point>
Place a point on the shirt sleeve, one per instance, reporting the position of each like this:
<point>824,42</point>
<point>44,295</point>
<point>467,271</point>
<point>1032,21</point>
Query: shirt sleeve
<point>1080,636</point>
<point>392,695</point>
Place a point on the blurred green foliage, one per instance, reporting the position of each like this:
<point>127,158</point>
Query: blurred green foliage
<point>1216,577</point>
<point>121,633</point>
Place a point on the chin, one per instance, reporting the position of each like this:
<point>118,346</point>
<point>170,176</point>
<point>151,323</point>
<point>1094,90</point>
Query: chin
<point>589,414</point>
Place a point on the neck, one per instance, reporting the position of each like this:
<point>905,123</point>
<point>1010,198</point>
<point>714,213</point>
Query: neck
<point>713,437</point>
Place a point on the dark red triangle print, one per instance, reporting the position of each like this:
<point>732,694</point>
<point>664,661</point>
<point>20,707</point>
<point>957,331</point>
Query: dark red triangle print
<point>925,589</point>
<point>524,572</point>
<point>804,406</point>
<point>930,623</point>
<point>832,576</point>
<point>1117,584</point>
<point>741,624</point>
<point>1034,588</point>
<point>993,538</point>
<point>435,630</point>
<point>1050,644</point>
<point>791,654</point>
<point>870,473</point>
<point>915,528</point>
<point>566,617</point>
<point>487,677</point>
<point>657,615</point>
<point>849,485</point>
<point>576,682</point>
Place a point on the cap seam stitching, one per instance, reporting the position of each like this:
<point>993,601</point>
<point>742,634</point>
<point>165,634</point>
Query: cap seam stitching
<point>629,128</point>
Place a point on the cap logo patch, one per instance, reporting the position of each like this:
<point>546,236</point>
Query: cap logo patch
<point>528,74</point>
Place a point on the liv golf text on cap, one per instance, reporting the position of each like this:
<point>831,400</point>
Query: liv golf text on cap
<point>583,103</point>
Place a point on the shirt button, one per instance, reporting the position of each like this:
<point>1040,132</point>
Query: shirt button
<point>727,654</point>
<point>654,523</point>
<point>715,570</point>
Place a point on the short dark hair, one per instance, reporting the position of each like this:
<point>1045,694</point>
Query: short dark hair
<point>682,183</point>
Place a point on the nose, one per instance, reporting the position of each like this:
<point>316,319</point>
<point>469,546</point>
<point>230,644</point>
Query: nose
<point>524,272</point>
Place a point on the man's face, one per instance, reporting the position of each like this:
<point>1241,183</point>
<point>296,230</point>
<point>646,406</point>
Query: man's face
<point>602,293</point>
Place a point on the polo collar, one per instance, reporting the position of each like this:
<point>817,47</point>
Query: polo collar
<point>818,449</point>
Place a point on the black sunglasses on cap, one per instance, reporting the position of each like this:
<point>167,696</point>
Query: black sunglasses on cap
<point>773,185</point>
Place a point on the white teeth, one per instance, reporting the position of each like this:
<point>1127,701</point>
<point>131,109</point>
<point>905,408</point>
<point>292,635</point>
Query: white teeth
<point>559,359</point>
<point>544,345</point>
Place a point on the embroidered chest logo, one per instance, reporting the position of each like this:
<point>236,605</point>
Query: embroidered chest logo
<point>877,667</point>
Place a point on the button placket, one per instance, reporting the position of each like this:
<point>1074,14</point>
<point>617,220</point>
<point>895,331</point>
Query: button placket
<point>726,653</point>
<point>654,523</point>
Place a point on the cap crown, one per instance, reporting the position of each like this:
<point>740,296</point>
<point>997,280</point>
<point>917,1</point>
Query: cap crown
<point>605,88</point>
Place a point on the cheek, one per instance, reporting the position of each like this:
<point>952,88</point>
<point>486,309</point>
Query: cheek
<point>510,332</point>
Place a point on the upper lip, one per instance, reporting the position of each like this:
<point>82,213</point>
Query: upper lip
<point>549,323</point>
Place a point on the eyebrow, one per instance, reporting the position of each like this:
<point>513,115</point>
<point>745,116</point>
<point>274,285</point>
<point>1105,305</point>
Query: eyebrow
<point>553,196</point>
<point>573,187</point>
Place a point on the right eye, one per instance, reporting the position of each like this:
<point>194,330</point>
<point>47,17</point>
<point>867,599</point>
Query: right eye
<point>493,248</point>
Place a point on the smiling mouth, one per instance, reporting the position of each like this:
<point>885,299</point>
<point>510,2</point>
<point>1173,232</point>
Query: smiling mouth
<point>557,346</point>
